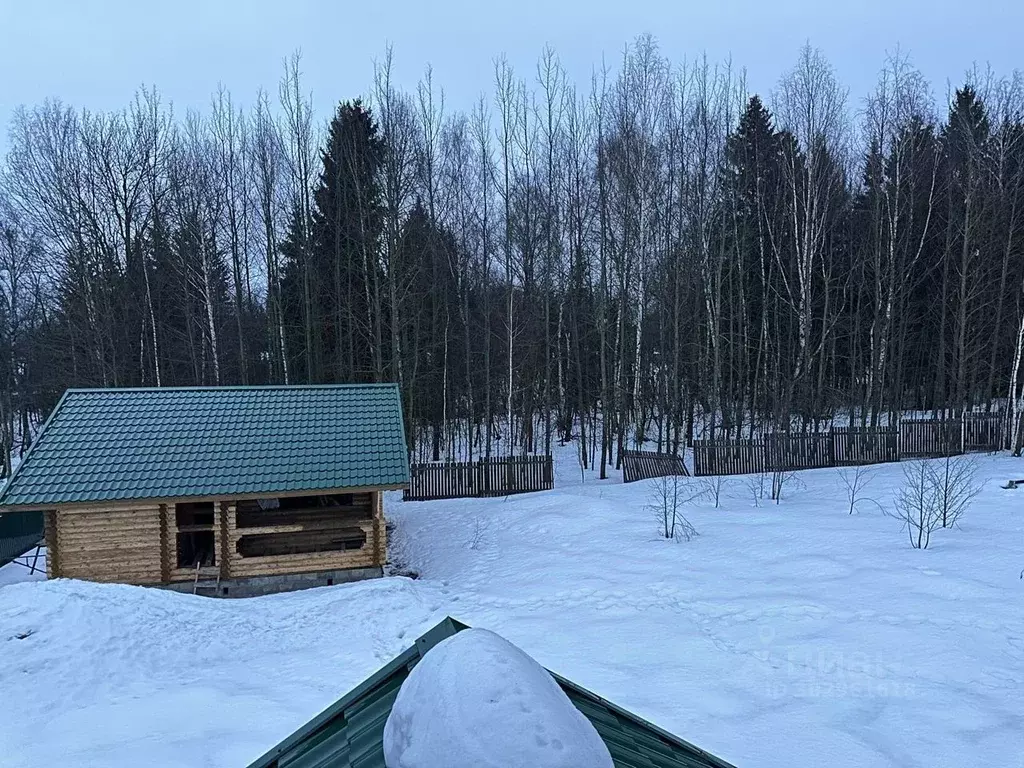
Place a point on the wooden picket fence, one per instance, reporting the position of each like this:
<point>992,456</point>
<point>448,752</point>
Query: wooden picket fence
<point>496,476</point>
<point>643,465</point>
<point>983,431</point>
<point>742,456</point>
<point>849,446</point>
<point>777,452</point>
<point>864,445</point>
<point>931,438</point>
<point>786,453</point>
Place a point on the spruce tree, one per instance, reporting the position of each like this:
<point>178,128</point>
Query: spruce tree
<point>347,231</point>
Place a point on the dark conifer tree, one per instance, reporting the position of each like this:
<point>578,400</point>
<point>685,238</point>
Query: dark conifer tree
<point>347,231</point>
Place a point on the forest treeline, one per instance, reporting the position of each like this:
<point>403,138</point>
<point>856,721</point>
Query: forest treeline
<point>655,254</point>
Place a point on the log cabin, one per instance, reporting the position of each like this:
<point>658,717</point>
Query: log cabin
<point>228,491</point>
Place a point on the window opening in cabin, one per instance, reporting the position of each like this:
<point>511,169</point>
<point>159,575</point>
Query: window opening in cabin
<point>196,548</point>
<point>196,543</point>
<point>322,510</point>
<point>300,542</point>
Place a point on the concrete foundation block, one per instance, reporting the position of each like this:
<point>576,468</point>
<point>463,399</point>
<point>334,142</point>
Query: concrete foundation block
<point>253,586</point>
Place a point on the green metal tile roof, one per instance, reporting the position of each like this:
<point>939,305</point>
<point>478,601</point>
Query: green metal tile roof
<point>350,733</point>
<point>121,444</point>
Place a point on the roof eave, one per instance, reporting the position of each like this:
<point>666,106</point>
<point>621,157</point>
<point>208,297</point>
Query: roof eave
<point>102,504</point>
<point>28,455</point>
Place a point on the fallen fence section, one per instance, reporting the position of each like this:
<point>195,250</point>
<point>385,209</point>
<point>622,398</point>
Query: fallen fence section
<point>501,476</point>
<point>643,465</point>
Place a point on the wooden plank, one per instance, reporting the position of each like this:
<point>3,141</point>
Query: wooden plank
<point>312,527</point>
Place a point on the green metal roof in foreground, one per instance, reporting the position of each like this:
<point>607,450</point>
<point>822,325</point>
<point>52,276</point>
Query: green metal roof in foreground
<point>122,444</point>
<point>350,733</point>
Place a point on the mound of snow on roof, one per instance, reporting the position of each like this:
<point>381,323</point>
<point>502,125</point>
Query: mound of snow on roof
<point>477,701</point>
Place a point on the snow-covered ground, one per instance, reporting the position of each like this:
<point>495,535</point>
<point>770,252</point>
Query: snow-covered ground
<point>789,635</point>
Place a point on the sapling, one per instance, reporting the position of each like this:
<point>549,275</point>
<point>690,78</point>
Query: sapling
<point>914,504</point>
<point>668,498</point>
<point>855,480</point>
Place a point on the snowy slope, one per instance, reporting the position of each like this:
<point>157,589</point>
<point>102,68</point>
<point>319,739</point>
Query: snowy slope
<point>783,635</point>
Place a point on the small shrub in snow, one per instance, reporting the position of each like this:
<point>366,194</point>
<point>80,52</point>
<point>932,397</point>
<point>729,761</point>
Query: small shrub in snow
<point>915,505</point>
<point>669,497</point>
<point>934,494</point>
<point>477,534</point>
<point>477,701</point>
<point>780,479</point>
<point>756,485</point>
<point>712,487</point>
<point>855,481</point>
<point>956,485</point>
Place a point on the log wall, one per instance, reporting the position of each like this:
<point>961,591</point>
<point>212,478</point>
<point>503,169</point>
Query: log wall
<point>380,536</point>
<point>139,545</point>
<point>116,546</point>
<point>52,550</point>
<point>365,513</point>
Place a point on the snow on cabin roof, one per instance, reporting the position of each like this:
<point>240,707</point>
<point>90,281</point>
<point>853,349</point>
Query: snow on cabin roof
<point>475,699</point>
<point>351,731</point>
<point>126,444</point>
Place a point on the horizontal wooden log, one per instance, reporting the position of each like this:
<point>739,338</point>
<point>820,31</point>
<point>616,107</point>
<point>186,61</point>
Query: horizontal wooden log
<point>126,577</point>
<point>98,521</point>
<point>83,567</point>
<point>315,530</point>
<point>350,516</point>
<point>321,561</point>
<point>87,568</point>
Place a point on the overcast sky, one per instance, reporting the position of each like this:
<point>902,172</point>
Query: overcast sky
<point>96,53</point>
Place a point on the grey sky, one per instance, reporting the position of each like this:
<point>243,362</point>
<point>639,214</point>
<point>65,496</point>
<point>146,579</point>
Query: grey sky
<point>94,53</point>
